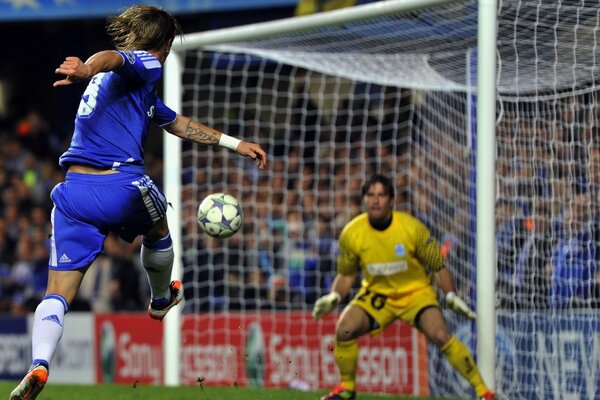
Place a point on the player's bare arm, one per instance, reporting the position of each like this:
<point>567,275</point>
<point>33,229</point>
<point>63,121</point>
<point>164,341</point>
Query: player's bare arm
<point>188,129</point>
<point>343,284</point>
<point>339,289</point>
<point>78,71</point>
<point>443,280</point>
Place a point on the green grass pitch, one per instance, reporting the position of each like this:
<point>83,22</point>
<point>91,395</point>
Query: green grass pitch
<point>149,392</point>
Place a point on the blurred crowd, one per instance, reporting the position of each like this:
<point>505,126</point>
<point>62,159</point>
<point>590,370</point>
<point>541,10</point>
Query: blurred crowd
<point>547,218</point>
<point>547,186</point>
<point>547,213</point>
<point>284,256</point>
<point>28,171</point>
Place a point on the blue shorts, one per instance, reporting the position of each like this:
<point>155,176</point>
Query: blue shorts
<point>88,207</point>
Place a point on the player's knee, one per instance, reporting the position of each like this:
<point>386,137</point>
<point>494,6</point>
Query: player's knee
<point>348,329</point>
<point>344,335</point>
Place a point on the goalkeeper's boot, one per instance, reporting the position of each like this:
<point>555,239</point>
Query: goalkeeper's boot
<point>488,396</point>
<point>340,393</point>
<point>157,310</point>
<point>32,384</point>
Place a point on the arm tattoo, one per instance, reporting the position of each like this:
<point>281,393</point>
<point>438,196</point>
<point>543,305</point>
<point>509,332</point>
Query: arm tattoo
<point>199,135</point>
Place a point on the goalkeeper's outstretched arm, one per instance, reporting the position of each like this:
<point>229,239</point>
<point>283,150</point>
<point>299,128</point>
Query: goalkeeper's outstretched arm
<point>339,289</point>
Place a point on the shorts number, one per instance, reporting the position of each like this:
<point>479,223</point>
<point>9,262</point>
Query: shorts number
<point>377,300</point>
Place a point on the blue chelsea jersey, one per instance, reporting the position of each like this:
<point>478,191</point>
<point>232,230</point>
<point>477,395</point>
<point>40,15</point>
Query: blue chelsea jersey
<point>114,114</point>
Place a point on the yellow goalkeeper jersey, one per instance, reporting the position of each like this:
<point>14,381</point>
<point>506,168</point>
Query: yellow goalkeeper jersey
<point>394,261</point>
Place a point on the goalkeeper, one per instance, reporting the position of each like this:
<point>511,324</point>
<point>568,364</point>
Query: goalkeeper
<point>395,253</point>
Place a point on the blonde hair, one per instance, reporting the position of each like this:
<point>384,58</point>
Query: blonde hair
<point>142,28</point>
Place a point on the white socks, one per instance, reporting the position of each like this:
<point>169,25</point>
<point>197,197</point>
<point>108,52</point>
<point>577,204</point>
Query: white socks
<point>157,259</point>
<point>48,327</point>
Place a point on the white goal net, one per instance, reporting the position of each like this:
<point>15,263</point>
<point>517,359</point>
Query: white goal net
<point>396,94</point>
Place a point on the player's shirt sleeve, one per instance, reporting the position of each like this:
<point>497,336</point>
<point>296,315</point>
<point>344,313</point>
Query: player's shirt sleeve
<point>163,115</point>
<point>143,67</point>
<point>348,261</point>
<point>140,66</point>
<point>427,248</point>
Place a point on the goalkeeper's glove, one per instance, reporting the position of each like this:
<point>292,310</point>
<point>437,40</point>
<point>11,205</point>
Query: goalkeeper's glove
<point>325,304</point>
<point>459,306</point>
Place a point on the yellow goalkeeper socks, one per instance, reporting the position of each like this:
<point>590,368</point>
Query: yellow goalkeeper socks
<point>461,359</point>
<point>346,355</point>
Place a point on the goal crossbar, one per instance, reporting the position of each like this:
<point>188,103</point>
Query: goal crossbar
<point>297,24</point>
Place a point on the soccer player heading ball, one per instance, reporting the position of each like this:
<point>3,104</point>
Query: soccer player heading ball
<point>106,189</point>
<point>394,251</point>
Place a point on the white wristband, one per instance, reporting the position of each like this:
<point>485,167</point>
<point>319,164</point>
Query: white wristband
<point>229,142</point>
<point>337,296</point>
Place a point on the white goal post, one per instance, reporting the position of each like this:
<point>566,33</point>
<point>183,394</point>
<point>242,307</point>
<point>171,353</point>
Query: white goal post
<point>485,109</point>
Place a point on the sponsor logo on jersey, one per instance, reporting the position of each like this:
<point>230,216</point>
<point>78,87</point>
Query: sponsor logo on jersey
<point>386,269</point>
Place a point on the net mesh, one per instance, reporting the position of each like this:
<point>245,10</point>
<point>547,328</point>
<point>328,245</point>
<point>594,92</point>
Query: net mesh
<point>396,95</point>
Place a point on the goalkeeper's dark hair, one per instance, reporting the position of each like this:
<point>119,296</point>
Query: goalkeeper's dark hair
<point>387,183</point>
<point>142,28</point>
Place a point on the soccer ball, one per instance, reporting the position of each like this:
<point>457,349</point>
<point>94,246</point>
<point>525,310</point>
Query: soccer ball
<point>220,215</point>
